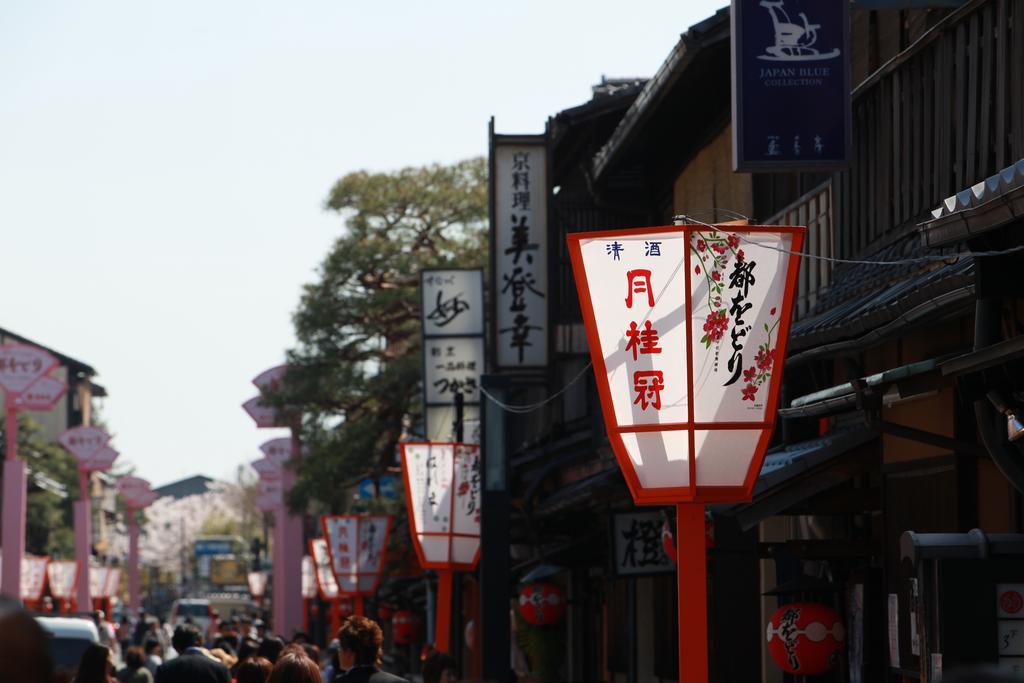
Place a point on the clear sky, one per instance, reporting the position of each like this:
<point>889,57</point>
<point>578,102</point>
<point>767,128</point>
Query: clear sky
<point>163,167</point>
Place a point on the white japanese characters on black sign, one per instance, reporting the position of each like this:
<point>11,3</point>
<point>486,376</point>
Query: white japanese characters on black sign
<point>520,254</point>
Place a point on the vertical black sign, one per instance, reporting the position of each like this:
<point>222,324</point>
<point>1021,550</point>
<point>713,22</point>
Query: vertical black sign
<point>790,84</point>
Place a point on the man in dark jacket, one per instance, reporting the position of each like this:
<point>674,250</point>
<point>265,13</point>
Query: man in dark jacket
<point>192,665</point>
<point>359,651</point>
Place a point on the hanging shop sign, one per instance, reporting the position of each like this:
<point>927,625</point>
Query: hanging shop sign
<point>452,324</point>
<point>639,544</point>
<point>43,394</point>
<point>325,580</point>
<point>687,327</point>
<point>519,249</point>
<point>357,545</point>
<point>790,84</point>
<point>442,495</point>
<point>257,584</point>
<point>62,576</point>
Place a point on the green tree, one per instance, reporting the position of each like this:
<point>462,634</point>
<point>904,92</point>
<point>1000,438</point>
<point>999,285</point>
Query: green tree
<point>53,486</point>
<point>355,374</point>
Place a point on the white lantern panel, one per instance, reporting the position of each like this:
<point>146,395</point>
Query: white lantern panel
<point>348,584</point>
<point>435,548</point>
<point>738,281</point>
<point>367,582</point>
<point>429,469</point>
<point>724,455</point>
<point>372,539</point>
<point>466,512</point>
<point>343,544</point>
<point>308,578</point>
<point>637,289</point>
<point>661,459</point>
<point>464,549</point>
<point>62,578</point>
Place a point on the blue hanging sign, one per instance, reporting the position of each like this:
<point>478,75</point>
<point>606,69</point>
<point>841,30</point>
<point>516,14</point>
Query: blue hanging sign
<point>790,84</point>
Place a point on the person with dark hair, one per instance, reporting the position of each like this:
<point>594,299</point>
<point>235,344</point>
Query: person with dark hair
<point>154,654</point>
<point>439,668</point>
<point>254,670</point>
<point>192,665</point>
<point>270,648</point>
<point>295,667</point>
<point>24,646</point>
<point>359,652</point>
<point>96,665</point>
<point>135,670</point>
<point>247,649</point>
<point>312,651</point>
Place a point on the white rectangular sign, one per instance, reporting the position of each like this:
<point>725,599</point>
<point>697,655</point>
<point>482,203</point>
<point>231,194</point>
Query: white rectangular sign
<point>520,244</point>
<point>452,302</point>
<point>452,365</point>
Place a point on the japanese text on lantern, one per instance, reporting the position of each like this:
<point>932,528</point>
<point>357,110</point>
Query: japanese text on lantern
<point>521,254</point>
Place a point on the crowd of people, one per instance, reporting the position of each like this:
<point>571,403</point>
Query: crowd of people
<point>239,651</point>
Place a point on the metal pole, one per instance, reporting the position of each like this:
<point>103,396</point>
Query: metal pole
<point>134,597</point>
<point>454,601</point>
<point>692,577</point>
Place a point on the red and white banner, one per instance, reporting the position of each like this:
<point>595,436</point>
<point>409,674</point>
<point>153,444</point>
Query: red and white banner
<point>21,365</point>
<point>257,584</point>
<point>357,545</point>
<point>62,575</point>
<point>324,575</point>
<point>112,586</point>
<point>33,576</point>
<point>687,328</point>
<point>98,577</point>
<point>442,494</point>
<point>43,394</point>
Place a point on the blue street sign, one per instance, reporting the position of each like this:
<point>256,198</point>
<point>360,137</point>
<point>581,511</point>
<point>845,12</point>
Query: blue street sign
<point>388,488</point>
<point>791,84</point>
<point>367,489</point>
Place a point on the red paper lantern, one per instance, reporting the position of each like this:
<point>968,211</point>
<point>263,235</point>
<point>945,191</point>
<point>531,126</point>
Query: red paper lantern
<point>541,604</point>
<point>385,611</point>
<point>403,627</point>
<point>805,638</point>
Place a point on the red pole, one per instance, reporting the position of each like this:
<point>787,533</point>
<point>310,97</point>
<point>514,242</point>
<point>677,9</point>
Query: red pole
<point>443,625</point>
<point>12,431</point>
<point>14,500</point>
<point>335,617</point>
<point>692,577</point>
<point>358,607</point>
<point>83,542</point>
<point>134,598</point>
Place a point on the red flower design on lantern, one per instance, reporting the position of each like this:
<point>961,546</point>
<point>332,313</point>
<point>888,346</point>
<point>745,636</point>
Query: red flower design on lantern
<point>749,392</point>
<point>715,326</point>
<point>733,241</point>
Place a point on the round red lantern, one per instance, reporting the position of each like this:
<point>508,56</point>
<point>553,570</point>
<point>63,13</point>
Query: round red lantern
<point>403,627</point>
<point>385,611</point>
<point>541,604</point>
<point>805,638</point>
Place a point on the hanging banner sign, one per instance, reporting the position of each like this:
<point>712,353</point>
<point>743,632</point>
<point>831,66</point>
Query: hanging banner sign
<point>357,545</point>
<point>62,576</point>
<point>442,494</point>
<point>637,544</point>
<point>113,586</point>
<point>43,394</point>
<point>680,313</point>
<point>263,415</point>
<point>21,365</point>
<point>308,578</point>
<point>791,85</point>
<point>33,577</point>
<point>82,442</point>
<point>519,250</point>
<point>257,584</point>
<point>325,580</point>
<point>452,365</point>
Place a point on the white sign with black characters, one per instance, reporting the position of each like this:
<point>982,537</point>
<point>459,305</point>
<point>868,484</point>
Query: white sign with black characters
<point>452,365</point>
<point>452,302</point>
<point>520,254</point>
<point>638,545</point>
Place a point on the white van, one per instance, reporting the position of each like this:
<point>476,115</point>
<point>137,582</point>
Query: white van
<point>69,636</point>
